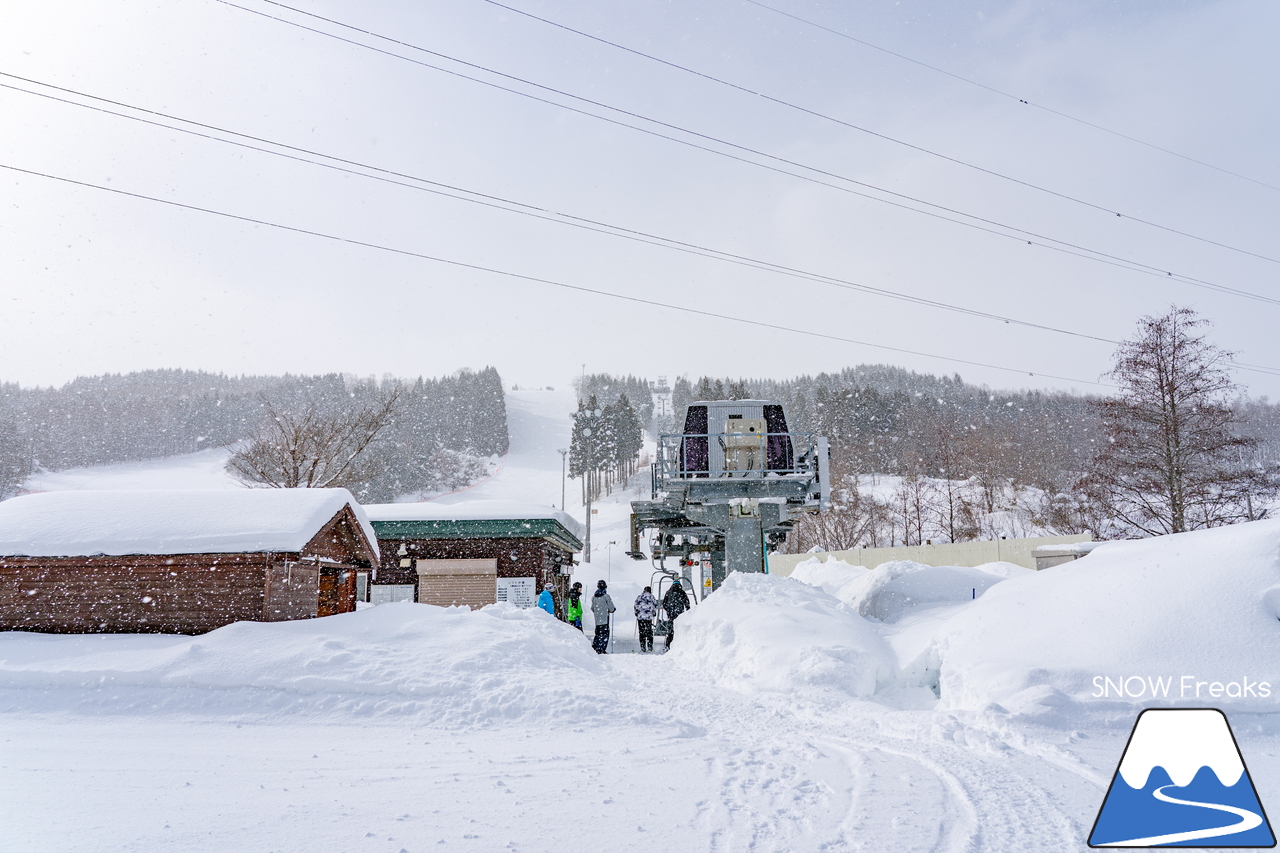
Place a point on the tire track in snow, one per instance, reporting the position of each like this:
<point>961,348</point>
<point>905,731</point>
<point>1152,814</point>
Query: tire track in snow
<point>919,811</point>
<point>922,779</point>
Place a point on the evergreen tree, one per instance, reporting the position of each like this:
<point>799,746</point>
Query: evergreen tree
<point>627,437</point>
<point>681,397</point>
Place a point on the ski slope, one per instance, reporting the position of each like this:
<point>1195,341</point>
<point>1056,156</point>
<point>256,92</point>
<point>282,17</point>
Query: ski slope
<point>203,470</point>
<point>537,423</point>
<point>792,714</point>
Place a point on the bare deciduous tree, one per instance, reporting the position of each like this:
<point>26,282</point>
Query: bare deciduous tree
<point>1173,457</point>
<point>914,508</point>
<point>313,445</point>
<point>855,519</point>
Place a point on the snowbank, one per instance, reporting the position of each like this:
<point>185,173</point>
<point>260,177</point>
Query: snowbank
<point>1173,613</point>
<point>765,632</point>
<point>450,666</point>
<point>891,591</point>
<point>835,577</point>
<point>207,521</point>
<point>473,511</point>
<point>1013,570</point>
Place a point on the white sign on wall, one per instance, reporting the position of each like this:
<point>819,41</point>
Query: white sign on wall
<point>517,591</point>
<point>381,593</point>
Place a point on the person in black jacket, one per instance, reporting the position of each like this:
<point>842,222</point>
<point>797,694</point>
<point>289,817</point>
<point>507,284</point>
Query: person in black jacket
<point>675,602</point>
<point>574,606</point>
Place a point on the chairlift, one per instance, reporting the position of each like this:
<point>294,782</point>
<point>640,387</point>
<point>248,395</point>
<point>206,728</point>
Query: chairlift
<point>661,582</point>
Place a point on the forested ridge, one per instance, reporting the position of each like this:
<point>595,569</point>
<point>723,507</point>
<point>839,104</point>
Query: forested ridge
<point>156,413</point>
<point>962,461</point>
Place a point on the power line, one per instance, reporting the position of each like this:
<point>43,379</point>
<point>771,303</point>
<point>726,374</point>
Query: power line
<point>1045,241</point>
<point>547,214</point>
<point>1011,96</point>
<point>851,126</point>
<point>525,209</point>
<point>545,281</point>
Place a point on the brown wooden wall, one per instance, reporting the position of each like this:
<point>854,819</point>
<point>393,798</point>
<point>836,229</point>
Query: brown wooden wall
<point>179,594</point>
<point>342,541</point>
<point>291,591</point>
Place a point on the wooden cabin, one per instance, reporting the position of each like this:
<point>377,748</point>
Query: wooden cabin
<point>473,553</point>
<point>179,562</point>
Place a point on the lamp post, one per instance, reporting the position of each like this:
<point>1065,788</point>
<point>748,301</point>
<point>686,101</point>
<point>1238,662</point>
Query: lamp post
<point>563,457</point>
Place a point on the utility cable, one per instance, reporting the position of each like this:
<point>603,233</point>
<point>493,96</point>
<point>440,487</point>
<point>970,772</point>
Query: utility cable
<point>851,126</point>
<point>1011,96</point>
<point>525,209</point>
<point>545,281</point>
<point>542,213</point>
<point>1052,243</point>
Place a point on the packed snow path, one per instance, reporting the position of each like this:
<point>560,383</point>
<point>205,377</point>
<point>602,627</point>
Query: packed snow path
<point>683,767</point>
<point>407,726</point>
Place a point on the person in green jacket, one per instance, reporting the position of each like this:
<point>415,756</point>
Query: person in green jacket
<point>575,606</point>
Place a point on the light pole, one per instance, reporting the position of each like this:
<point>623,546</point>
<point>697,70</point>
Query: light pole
<point>563,457</point>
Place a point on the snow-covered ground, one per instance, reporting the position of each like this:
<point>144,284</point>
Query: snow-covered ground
<point>203,470</point>
<point>897,708</point>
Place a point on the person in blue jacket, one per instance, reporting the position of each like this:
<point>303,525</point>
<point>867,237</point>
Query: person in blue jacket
<point>547,601</point>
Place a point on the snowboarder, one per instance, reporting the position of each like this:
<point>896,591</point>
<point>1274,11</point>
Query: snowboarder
<point>646,608</point>
<point>601,607</point>
<point>574,606</point>
<point>547,601</point>
<point>675,602</point>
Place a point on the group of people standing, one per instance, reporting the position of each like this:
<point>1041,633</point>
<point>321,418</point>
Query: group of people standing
<point>675,602</point>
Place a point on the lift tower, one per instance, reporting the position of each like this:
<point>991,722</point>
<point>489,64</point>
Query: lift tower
<point>727,489</point>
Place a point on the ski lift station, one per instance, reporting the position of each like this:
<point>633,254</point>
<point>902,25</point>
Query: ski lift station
<point>727,489</point>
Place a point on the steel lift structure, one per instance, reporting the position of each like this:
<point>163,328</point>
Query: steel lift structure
<point>727,489</point>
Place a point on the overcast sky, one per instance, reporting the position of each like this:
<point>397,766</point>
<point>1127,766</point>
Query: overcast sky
<point>99,282</point>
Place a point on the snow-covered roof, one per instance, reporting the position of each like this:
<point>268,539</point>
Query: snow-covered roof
<point>1080,548</point>
<point>214,521</point>
<point>473,511</point>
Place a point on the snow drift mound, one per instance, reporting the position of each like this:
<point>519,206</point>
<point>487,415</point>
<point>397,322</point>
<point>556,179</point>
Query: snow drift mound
<point>834,577</point>
<point>765,632</point>
<point>1149,612</point>
<point>891,591</point>
<point>452,666</point>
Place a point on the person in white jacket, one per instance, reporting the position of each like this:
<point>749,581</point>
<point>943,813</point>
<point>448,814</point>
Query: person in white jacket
<point>601,607</point>
<point>646,608</point>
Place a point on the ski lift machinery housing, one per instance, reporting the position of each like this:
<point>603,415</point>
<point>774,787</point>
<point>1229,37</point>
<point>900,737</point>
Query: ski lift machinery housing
<point>727,489</point>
